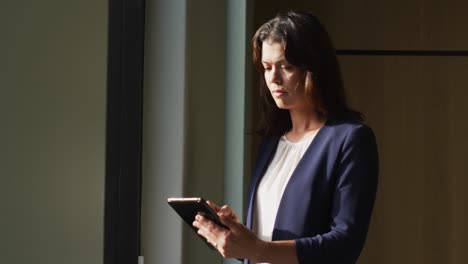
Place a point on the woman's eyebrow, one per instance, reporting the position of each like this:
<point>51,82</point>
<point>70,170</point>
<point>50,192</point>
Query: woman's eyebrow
<point>276,62</point>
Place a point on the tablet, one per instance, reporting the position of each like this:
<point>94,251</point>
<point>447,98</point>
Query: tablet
<point>187,208</point>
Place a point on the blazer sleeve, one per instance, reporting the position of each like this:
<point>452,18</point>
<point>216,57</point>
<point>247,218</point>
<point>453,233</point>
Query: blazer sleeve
<point>354,191</point>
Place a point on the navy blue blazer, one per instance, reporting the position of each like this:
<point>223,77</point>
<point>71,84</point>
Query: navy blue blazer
<point>327,204</point>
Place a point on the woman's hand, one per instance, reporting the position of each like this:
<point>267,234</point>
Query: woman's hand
<point>225,210</point>
<point>237,242</point>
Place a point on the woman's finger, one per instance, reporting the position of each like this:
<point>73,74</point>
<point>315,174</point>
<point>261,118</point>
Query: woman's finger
<point>214,206</point>
<point>230,222</point>
<point>206,228</point>
<point>227,211</point>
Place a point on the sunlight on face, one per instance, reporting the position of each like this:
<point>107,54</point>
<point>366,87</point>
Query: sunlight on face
<point>284,80</point>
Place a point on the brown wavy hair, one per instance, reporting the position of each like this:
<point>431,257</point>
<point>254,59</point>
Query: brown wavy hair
<point>307,46</point>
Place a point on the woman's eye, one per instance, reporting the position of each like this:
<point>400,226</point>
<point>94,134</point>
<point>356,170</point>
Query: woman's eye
<point>266,68</point>
<point>286,67</point>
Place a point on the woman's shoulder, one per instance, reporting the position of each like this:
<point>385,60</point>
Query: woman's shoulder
<point>349,128</point>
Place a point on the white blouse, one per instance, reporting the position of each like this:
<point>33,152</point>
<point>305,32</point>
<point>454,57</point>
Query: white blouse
<point>272,185</point>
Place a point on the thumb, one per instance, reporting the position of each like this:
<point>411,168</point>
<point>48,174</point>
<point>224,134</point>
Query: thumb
<point>228,212</point>
<point>214,206</point>
<point>230,222</point>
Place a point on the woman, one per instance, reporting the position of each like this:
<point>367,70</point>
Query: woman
<point>314,184</point>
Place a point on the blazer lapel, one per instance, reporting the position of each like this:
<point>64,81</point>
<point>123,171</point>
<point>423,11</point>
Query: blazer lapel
<point>310,157</point>
<point>266,151</point>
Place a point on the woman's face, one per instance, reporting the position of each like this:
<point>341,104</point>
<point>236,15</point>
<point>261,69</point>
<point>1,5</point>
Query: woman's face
<point>285,81</point>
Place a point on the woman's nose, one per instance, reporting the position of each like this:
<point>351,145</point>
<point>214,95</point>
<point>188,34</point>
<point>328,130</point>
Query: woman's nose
<point>275,75</point>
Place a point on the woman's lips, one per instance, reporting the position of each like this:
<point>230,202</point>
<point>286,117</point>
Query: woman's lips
<point>278,92</point>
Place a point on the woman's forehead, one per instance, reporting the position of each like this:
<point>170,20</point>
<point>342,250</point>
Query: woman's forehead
<point>272,52</point>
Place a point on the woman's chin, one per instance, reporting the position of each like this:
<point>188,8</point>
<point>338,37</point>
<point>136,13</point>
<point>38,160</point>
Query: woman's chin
<point>282,106</point>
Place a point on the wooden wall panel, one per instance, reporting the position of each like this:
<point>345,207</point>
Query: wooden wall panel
<point>458,160</point>
<point>382,24</point>
<point>417,107</point>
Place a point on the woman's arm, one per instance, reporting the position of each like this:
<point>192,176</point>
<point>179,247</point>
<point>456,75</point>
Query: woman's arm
<point>278,252</point>
<point>352,202</point>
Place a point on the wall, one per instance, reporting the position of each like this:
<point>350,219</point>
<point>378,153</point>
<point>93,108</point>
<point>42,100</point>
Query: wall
<point>163,130</point>
<point>416,106</point>
<point>52,112</point>
<point>194,112</point>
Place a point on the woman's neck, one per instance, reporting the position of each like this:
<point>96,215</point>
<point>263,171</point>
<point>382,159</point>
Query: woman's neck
<point>304,123</point>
